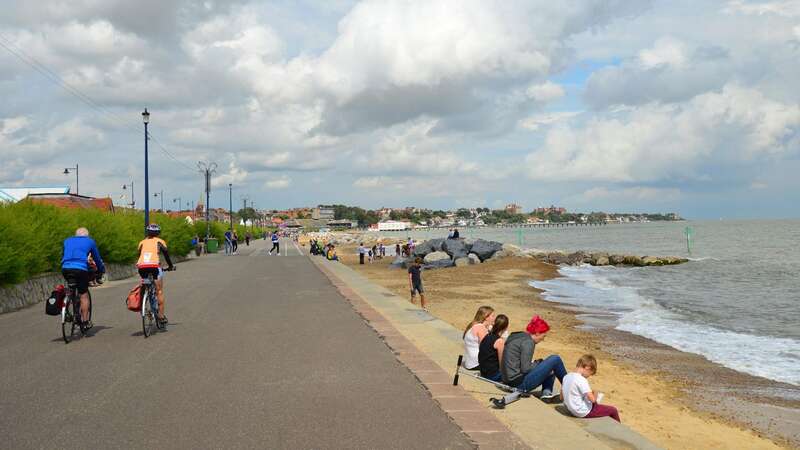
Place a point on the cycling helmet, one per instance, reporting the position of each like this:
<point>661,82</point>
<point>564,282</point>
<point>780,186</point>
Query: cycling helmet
<point>153,229</point>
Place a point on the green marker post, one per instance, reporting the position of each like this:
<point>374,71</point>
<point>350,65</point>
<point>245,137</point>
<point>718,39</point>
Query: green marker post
<point>689,239</point>
<point>519,237</point>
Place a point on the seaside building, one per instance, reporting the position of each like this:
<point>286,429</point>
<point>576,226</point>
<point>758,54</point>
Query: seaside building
<point>72,201</point>
<point>550,210</point>
<point>393,225</point>
<point>513,208</point>
<point>323,212</point>
<point>15,194</point>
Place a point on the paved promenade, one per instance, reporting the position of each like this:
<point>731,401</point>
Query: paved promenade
<point>261,352</point>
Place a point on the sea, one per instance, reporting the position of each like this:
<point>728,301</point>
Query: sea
<point>736,302</point>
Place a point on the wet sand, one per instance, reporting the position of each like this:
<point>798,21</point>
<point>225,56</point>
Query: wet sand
<point>676,399</point>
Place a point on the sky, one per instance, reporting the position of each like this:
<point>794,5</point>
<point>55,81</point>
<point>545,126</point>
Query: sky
<point>622,106</point>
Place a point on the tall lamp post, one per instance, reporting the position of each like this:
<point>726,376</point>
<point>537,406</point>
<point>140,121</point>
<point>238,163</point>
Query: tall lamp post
<point>180,205</point>
<point>146,120</point>
<point>66,172</point>
<point>160,194</point>
<point>133,199</point>
<point>207,169</point>
<point>230,205</point>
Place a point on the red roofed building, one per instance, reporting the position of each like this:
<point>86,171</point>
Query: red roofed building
<point>72,201</point>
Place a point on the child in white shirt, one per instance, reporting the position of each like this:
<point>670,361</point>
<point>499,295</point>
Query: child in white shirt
<point>579,398</point>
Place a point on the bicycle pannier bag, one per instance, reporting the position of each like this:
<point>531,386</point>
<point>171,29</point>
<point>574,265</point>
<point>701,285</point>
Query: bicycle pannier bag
<point>134,300</point>
<point>53,305</point>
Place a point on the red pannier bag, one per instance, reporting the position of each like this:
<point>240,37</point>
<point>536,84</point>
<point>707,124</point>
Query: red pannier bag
<point>134,300</point>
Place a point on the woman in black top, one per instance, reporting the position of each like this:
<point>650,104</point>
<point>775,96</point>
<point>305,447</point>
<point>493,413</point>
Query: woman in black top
<point>490,352</point>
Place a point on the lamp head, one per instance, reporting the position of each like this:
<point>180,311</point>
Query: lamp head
<point>146,116</point>
<point>66,171</point>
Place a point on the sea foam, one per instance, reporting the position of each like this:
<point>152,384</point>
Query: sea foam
<point>602,289</point>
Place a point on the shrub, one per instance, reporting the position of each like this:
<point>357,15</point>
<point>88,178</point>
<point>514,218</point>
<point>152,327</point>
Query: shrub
<point>32,236</point>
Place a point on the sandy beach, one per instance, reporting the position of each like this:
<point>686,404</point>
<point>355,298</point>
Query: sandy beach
<point>691,406</point>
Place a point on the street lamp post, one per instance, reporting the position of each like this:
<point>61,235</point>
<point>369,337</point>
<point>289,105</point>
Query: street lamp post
<point>146,120</point>
<point>160,194</point>
<point>133,198</point>
<point>180,205</point>
<point>230,206</point>
<point>66,172</point>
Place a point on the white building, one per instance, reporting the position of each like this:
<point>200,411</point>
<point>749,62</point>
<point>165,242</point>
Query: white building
<point>393,225</point>
<point>15,194</point>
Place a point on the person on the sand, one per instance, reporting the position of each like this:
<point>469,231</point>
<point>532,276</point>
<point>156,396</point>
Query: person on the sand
<point>415,283</point>
<point>490,351</point>
<point>518,370</point>
<point>579,398</point>
<point>473,335</point>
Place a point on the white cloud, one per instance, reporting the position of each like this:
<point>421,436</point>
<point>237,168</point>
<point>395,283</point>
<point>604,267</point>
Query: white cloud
<point>545,92</point>
<point>278,183</point>
<point>655,142</point>
<point>370,182</point>
<point>545,119</point>
<point>787,8</point>
<point>637,193</point>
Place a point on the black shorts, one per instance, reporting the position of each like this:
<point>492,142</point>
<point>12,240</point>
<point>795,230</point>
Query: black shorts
<point>417,287</point>
<point>154,271</point>
<point>78,278</point>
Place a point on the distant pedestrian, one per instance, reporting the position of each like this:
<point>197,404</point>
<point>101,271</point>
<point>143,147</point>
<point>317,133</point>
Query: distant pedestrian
<point>383,250</point>
<point>415,283</point>
<point>397,250</point>
<point>247,237</point>
<point>228,242</point>
<point>456,235</point>
<point>362,251</point>
<point>235,242</point>
<point>450,234</point>
<point>275,243</point>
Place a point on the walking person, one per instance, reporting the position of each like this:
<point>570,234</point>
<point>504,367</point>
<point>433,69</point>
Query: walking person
<point>228,242</point>
<point>415,283</point>
<point>361,252</point>
<point>275,243</point>
<point>235,243</point>
<point>247,237</point>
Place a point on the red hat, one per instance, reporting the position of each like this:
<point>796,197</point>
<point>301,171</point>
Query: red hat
<point>537,325</point>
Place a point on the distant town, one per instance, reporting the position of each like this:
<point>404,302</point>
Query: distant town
<point>396,219</point>
<point>343,216</point>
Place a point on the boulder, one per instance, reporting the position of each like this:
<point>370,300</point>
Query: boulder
<point>633,260</point>
<point>600,261</point>
<point>461,262</point>
<point>576,259</point>
<point>438,264</point>
<point>500,254</point>
<point>455,248</point>
<point>652,261</point>
<point>616,259</point>
<point>429,246</point>
<point>435,256</point>
<point>513,250</point>
<point>474,258</point>
<point>671,260</point>
<point>485,249</point>
<point>398,263</point>
<point>557,258</point>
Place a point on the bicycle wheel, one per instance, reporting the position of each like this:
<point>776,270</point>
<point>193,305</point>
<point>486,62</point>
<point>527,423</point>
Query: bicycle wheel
<point>67,326</point>
<point>147,313</point>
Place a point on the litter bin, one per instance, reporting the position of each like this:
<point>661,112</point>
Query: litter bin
<point>212,245</point>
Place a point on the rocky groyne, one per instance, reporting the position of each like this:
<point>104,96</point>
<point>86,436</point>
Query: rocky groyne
<point>440,253</point>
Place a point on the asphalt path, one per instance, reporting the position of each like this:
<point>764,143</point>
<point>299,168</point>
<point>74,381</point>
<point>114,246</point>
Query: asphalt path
<point>261,352</point>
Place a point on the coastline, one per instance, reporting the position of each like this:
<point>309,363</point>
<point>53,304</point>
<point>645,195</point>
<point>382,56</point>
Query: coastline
<point>669,408</point>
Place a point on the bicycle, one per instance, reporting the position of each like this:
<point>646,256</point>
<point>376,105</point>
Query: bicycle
<point>71,314</point>
<point>150,307</point>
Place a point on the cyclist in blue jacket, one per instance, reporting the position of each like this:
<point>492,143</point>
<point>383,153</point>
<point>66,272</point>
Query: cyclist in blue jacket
<point>75,267</point>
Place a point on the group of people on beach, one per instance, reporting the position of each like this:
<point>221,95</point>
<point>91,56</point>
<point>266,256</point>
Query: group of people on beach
<point>326,250</point>
<point>377,251</point>
<point>508,359</point>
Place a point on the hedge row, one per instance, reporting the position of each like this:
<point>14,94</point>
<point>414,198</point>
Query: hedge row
<point>31,236</point>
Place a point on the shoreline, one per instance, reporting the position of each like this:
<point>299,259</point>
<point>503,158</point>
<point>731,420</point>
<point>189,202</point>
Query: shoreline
<point>637,378</point>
